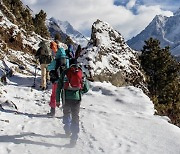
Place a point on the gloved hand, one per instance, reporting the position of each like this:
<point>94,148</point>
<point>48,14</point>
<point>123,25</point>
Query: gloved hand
<point>58,104</point>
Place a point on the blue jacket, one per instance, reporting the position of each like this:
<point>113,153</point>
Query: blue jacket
<point>60,53</point>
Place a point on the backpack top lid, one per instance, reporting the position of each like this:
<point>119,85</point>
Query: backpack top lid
<point>74,78</point>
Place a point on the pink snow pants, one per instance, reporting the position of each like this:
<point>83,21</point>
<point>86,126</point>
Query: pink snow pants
<point>53,96</point>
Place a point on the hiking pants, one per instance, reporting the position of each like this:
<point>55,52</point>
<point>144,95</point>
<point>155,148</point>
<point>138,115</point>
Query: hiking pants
<point>71,117</point>
<point>53,96</point>
<point>44,75</point>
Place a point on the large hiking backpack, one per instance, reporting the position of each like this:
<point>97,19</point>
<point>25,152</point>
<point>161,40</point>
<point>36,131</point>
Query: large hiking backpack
<point>62,60</point>
<point>45,48</point>
<point>73,79</point>
<point>54,46</point>
<point>58,65</point>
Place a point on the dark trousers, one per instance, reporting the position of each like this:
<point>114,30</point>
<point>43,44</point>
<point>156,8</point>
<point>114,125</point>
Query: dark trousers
<point>71,117</point>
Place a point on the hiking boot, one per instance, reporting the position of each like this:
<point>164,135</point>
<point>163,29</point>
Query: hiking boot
<point>68,134</point>
<point>73,139</point>
<point>43,88</point>
<point>73,142</point>
<point>52,112</point>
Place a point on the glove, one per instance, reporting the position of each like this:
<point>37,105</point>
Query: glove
<point>58,104</point>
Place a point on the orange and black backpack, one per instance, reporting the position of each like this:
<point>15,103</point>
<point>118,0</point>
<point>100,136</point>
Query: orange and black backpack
<point>54,46</point>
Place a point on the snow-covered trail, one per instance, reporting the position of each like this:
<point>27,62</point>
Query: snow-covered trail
<point>112,121</point>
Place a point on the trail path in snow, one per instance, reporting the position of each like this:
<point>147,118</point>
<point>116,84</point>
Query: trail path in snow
<point>112,121</point>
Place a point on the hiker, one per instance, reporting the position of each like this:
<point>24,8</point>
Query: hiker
<point>54,47</point>
<point>71,85</point>
<point>59,64</point>
<point>70,53</point>
<point>78,52</point>
<point>44,56</point>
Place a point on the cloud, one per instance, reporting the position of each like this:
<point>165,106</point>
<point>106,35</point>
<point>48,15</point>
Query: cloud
<point>29,2</point>
<point>130,4</point>
<point>82,13</point>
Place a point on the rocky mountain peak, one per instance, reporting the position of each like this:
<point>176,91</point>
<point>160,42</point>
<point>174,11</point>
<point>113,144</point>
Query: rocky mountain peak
<point>160,19</point>
<point>108,58</point>
<point>65,29</point>
<point>103,34</point>
<point>165,29</point>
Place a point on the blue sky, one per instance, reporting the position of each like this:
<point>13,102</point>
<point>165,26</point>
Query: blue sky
<point>165,4</point>
<point>129,17</point>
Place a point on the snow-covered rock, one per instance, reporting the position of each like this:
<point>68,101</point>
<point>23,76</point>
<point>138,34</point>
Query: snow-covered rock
<point>108,58</point>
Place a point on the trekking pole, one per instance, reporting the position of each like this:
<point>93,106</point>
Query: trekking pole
<point>35,71</point>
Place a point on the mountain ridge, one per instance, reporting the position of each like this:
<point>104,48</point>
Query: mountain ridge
<point>66,29</point>
<point>165,29</point>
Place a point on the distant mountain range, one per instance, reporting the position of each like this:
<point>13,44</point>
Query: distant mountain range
<point>64,28</point>
<point>165,29</point>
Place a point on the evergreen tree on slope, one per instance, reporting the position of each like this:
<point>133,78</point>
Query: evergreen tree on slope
<point>163,77</point>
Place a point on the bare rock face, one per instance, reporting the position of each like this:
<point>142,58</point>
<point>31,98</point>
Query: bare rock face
<point>108,58</point>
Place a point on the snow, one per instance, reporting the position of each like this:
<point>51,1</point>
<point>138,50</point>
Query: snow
<point>67,29</point>
<point>112,120</point>
<point>109,55</point>
<point>165,29</point>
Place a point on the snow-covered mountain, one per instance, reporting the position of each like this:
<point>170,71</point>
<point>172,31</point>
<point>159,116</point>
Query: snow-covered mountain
<point>165,29</point>
<point>113,120</point>
<point>66,29</point>
<point>108,58</point>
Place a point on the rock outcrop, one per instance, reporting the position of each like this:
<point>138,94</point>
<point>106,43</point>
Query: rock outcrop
<point>108,58</point>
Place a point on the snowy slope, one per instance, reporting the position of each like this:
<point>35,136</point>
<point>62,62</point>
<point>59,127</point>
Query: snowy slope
<point>112,120</point>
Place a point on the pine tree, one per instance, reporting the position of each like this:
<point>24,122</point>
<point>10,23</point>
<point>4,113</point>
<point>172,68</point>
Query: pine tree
<point>163,73</point>
<point>22,14</point>
<point>39,24</point>
<point>149,62</point>
<point>28,20</point>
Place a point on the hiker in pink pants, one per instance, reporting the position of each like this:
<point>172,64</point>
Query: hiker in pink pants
<point>52,103</point>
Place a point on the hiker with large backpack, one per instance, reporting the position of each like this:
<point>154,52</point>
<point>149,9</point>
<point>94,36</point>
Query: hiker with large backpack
<point>70,53</point>
<point>71,85</point>
<point>54,47</point>
<point>59,64</point>
<point>44,55</point>
<point>78,52</point>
